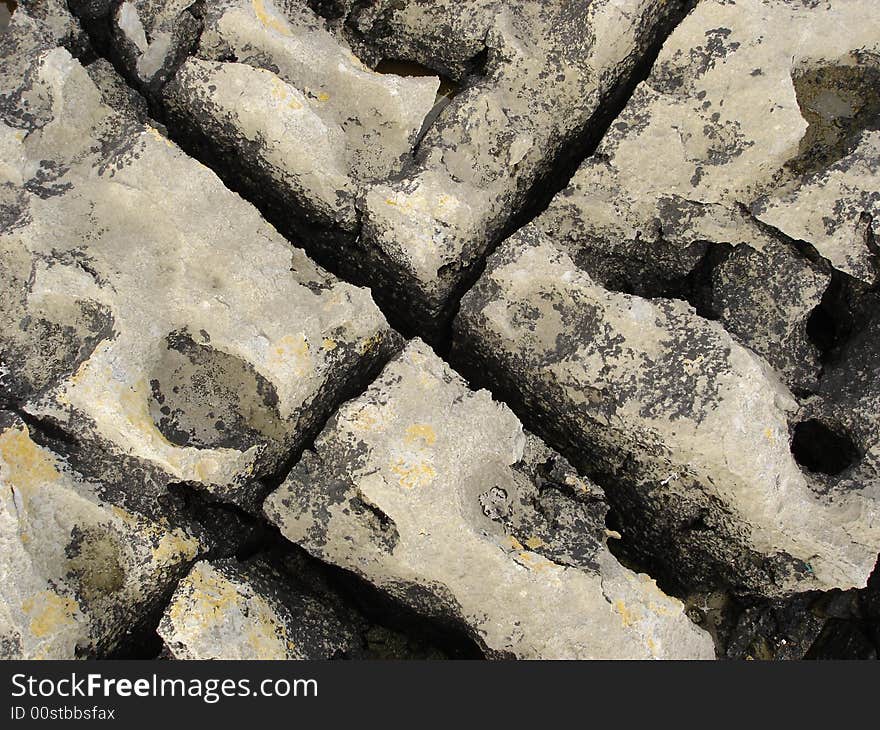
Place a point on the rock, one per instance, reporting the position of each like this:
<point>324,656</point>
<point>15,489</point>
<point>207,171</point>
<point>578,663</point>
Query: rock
<point>548,70</point>
<point>115,93</point>
<point>836,435</point>
<point>306,136</point>
<point>687,430</point>
<point>55,22</point>
<point>147,310</point>
<point>231,610</point>
<point>435,494</point>
<point>734,122</point>
<point>152,37</point>
<point>77,573</point>
<point>837,208</point>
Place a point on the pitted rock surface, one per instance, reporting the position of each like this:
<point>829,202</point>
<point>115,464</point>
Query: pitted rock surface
<point>647,227</point>
<point>435,494</point>
<point>201,342</point>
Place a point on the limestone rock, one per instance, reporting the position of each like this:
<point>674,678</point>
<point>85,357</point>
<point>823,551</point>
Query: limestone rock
<point>152,37</point>
<point>231,610</point>
<point>687,430</point>
<point>548,69</point>
<point>435,494</point>
<point>146,309</point>
<point>836,434</point>
<point>77,573</point>
<point>732,119</point>
<point>306,135</point>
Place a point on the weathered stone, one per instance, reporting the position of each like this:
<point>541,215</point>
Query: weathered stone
<point>733,117</point>
<point>115,92</point>
<point>307,136</point>
<point>152,37</point>
<point>687,430</point>
<point>435,494</point>
<point>148,309</point>
<point>77,573</point>
<point>549,69</point>
<point>837,434</point>
<point>231,610</point>
<point>54,22</point>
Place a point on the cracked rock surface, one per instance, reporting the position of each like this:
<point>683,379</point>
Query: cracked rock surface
<point>639,238</point>
<point>435,493</point>
<point>689,429</point>
<point>202,343</point>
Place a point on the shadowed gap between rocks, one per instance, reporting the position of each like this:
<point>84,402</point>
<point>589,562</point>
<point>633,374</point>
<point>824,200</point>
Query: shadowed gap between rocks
<point>289,220</point>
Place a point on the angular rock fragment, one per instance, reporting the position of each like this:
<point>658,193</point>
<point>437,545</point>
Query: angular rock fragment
<point>231,610</point>
<point>435,494</point>
<point>152,37</point>
<point>52,20</point>
<point>296,118</point>
<point>735,122</point>
<point>548,70</point>
<point>147,310</point>
<point>687,430</point>
<point>77,573</point>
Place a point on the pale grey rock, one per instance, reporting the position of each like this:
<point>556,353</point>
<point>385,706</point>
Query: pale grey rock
<point>549,69</point>
<point>152,37</point>
<point>687,430</point>
<point>231,610</point>
<point>77,573</point>
<point>297,119</point>
<point>435,494</point>
<point>735,121</point>
<point>55,22</point>
<point>148,310</point>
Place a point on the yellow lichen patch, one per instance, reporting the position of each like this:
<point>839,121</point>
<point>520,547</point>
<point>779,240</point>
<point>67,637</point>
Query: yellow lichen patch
<point>626,614</point>
<point>281,93</point>
<point>366,419</point>
<point>266,638</point>
<point>328,344</point>
<point>270,19</point>
<point>159,137</point>
<point>370,344</point>
<point>174,547</point>
<point>209,594</point>
<point>50,613</point>
<point>535,542</point>
<point>27,465</point>
<point>414,475</point>
<point>768,434</point>
<point>323,96</point>
<point>292,351</point>
<point>515,544</point>
<point>420,433</point>
<point>533,561</point>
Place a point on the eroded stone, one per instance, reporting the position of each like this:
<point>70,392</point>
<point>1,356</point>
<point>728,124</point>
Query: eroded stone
<point>435,494</point>
<point>149,309</point>
<point>78,574</point>
<point>687,429</point>
<point>232,610</point>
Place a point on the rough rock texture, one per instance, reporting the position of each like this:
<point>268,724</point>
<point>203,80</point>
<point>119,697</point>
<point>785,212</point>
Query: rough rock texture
<point>692,321</point>
<point>148,309</point>
<point>229,610</point>
<point>435,494</point>
<point>687,430</point>
<point>77,573</point>
<point>734,118</point>
<point>304,136</point>
<point>547,70</point>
